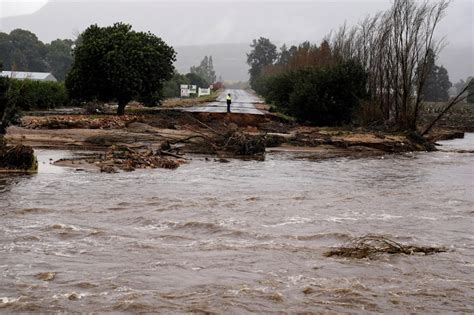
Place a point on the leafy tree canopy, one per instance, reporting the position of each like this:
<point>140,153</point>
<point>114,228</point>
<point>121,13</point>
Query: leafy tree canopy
<point>172,87</point>
<point>59,57</point>
<point>205,70</point>
<point>263,54</point>
<point>21,50</point>
<point>436,88</point>
<point>117,63</point>
<point>195,79</point>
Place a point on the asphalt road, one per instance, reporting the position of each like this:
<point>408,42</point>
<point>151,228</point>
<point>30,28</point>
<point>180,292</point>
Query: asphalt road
<point>242,102</point>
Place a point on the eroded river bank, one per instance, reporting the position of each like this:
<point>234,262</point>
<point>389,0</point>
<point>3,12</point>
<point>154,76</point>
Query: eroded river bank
<point>237,237</point>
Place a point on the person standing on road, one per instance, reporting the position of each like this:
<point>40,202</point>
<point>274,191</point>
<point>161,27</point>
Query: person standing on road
<point>229,101</point>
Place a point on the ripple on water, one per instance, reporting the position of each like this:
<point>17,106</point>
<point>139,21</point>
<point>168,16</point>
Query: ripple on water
<point>239,237</point>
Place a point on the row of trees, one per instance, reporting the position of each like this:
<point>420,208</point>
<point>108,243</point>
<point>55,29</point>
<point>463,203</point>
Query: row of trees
<point>172,87</point>
<point>205,70</point>
<point>398,50</point>
<point>21,50</point>
<point>202,75</point>
<point>395,49</point>
<point>111,63</point>
<point>21,95</point>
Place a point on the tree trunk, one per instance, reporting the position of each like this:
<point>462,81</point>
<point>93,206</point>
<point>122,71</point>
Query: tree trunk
<point>121,107</point>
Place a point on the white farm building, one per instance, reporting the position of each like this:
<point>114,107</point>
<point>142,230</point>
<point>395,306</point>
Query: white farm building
<point>19,75</point>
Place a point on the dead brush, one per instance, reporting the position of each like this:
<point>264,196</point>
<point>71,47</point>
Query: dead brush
<point>17,157</point>
<point>370,246</point>
<point>239,143</point>
<point>127,159</point>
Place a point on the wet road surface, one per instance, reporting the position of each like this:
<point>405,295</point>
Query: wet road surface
<point>242,102</point>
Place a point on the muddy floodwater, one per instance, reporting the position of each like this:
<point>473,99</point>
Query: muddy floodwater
<point>240,237</point>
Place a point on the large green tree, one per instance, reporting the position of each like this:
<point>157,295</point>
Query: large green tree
<point>437,84</point>
<point>117,63</point>
<point>195,79</point>
<point>22,51</point>
<point>263,53</point>
<point>59,57</point>
<point>171,88</point>
<point>205,70</point>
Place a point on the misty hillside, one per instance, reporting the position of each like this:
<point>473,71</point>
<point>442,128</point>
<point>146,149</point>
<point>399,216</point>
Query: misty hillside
<point>197,29</point>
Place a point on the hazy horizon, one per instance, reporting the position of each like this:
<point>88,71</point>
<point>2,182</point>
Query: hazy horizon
<point>186,24</point>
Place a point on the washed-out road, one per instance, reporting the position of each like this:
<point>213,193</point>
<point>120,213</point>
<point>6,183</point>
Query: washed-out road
<point>242,103</point>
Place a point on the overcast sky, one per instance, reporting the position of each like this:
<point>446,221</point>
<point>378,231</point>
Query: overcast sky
<point>201,22</point>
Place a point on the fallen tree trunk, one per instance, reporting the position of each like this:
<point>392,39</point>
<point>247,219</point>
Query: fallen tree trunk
<point>459,98</point>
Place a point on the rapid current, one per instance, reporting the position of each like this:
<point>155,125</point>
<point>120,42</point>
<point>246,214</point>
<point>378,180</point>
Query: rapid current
<point>240,237</point>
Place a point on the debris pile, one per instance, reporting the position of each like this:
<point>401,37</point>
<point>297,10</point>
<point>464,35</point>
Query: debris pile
<point>18,157</point>
<point>79,121</point>
<point>369,246</point>
<point>239,143</point>
<point>127,159</point>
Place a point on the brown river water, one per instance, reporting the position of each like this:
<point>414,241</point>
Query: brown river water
<point>239,237</point>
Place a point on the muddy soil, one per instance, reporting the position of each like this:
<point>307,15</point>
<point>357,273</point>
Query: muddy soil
<point>177,133</point>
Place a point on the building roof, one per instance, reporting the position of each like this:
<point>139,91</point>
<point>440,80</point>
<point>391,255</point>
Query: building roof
<point>20,75</point>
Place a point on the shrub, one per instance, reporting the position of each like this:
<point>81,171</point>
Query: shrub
<point>217,86</point>
<point>31,94</point>
<point>172,87</point>
<point>4,106</point>
<point>323,96</point>
<point>280,87</point>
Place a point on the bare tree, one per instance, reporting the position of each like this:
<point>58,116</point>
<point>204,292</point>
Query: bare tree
<point>394,47</point>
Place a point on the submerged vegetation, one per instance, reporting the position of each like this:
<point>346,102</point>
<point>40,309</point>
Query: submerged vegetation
<point>371,246</point>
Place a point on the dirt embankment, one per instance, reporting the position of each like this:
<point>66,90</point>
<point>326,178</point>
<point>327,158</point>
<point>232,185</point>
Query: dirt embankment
<point>170,134</point>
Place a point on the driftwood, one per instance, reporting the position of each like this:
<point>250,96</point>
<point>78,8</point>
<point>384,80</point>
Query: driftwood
<point>369,246</point>
<point>127,159</point>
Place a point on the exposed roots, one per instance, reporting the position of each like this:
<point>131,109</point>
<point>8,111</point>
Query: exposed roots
<point>369,246</point>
